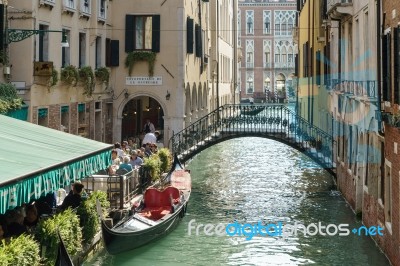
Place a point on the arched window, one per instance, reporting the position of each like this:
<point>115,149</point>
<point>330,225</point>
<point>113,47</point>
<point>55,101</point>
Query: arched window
<point>250,22</point>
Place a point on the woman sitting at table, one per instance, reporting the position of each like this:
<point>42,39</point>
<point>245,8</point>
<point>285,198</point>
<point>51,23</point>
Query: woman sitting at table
<point>32,216</point>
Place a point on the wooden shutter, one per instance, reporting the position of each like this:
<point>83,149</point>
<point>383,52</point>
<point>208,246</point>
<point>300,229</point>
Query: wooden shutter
<point>189,35</point>
<point>296,65</point>
<point>2,27</point>
<point>108,52</point>
<point>198,41</point>
<point>386,66</point>
<point>114,53</point>
<point>396,87</point>
<point>155,45</point>
<point>129,33</point>
<point>318,67</point>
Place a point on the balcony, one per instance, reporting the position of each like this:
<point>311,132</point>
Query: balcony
<point>102,14</point>
<point>69,6</point>
<point>364,88</point>
<point>267,65</point>
<point>284,65</point>
<point>85,8</point>
<point>249,65</point>
<point>49,3</point>
<point>338,9</point>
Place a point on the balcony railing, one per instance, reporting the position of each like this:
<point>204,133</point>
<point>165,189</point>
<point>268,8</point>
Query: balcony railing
<point>356,88</point>
<point>69,4</point>
<point>102,16</point>
<point>86,7</point>
<point>267,65</point>
<point>249,64</point>
<point>337,9</point>
<point>284,65</point>
<point>50,3</point>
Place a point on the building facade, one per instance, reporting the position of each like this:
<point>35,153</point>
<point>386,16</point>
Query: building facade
<point>268,52</point>
<point>348,79</point>
<point>160,59</point>
<point>77,106</point>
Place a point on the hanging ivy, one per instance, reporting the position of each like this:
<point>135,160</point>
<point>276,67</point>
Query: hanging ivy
<point>103,75</point>
<point>69,75</point>
<point>86,76</point>
<point>137,56</point>
<point>9,99</point>
<point>53,78</point>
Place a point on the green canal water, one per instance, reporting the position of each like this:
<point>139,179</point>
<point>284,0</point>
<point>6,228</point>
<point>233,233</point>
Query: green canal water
<point>249,180</point>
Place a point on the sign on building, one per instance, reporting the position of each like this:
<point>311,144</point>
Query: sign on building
<point>144,81</point>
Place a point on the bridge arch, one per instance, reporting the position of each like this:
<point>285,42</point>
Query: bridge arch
<point>276,122</point>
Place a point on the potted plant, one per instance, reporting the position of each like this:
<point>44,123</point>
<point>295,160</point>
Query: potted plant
<point>133,57</point>
<point>103,75</point>
<point>69,75</point>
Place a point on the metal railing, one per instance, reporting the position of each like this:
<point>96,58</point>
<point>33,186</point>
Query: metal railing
<point>275,121</point>
<point>359,88</point>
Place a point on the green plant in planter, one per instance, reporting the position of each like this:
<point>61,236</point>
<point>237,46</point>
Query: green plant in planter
<point>88,214</point>
<point>87,77</point>
<point>9,99</point>
<point>69,75</point>
<point>23,250</point>
<point>137,56</point>
<point>103,75</point>
<point>67,223</point>
<point>166,159</point>
<point>153,164</point>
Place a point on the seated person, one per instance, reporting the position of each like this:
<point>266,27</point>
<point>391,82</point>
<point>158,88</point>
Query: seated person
<point>32,216</point>
<point>2,233</point>
<point>15,225</point>
<point>74,198</point>
<point>135,161</point>
<point>125,165</point>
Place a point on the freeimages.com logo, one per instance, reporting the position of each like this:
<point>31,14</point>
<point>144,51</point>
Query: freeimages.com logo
<point>279,229</point>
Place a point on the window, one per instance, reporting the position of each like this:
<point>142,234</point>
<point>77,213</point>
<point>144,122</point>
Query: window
<point>249,53</point>
<point>277,29</point>
<point>85,7</point>
<point>388,192</point>
<point>396,59</point>
<point>98,52</point>
<point>82,49</point>
<point>43,43</point>
<point>43,118</point>
<point>189,35</point>
<point>64,110</point>
<point>69,4</point>
<point>102,9</point>
<point>386,67</point>
<point>250,22</point>
<point>267,21</point>
<point>142,33</point>
<point>65,52</point>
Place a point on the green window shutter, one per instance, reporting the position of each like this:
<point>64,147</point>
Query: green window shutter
<point>198,41</point>
<point>386,67</point>
<point>129,33</point>
<point>64,109</point>
<point>114,61</point>
<point>155,45</point>
<point>42,112</point>
<point>81,107</point>
<point>189,35</point>
<point>396,40</point>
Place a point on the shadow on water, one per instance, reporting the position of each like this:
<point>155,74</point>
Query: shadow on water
<point>250,180</point>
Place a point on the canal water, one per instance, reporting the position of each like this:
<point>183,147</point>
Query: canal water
<point>250,180</point>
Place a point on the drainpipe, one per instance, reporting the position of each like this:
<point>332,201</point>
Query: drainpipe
<point>379,32</point>
<point>308,66</point>
<point>234,65</point>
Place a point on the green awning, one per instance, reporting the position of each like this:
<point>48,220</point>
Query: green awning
<point>35,160</point>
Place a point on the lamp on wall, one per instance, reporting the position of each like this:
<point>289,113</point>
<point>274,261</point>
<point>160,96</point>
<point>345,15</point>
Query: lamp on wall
<point>17,35</point>
<point>168,96</point>
<point>126,94</point>
<point>64,42</point>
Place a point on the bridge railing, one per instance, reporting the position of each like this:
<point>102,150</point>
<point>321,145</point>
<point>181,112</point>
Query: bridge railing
<point>274,121</point>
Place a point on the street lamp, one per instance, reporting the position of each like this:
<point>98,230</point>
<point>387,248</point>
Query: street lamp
<point>17,35</point>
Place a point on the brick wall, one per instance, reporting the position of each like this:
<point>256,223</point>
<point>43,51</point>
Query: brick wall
<point>73,118</point>
<point>54,116</point>
<point>346,184</point>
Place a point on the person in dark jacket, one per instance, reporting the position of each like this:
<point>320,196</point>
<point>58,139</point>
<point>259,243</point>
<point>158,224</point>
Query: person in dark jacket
<point>74,198</point>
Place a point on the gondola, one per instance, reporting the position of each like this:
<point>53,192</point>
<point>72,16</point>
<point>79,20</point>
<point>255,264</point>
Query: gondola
<point>160,213</point>
<point>63,258</point>
<point>253,110</point>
